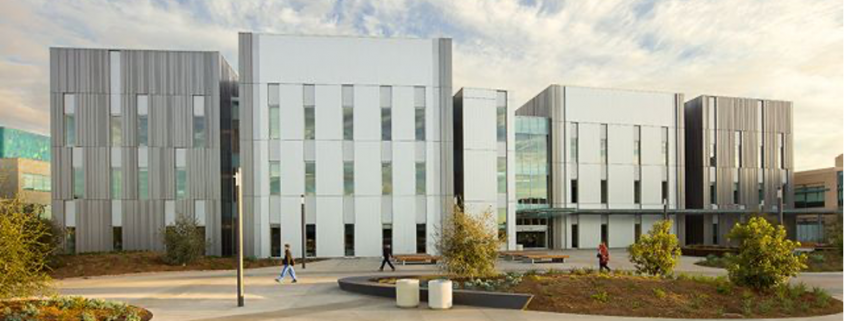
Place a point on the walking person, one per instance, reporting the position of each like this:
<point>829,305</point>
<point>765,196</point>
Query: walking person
<point>604,257</point>
<point>386,254</point>
<point>287,266</point>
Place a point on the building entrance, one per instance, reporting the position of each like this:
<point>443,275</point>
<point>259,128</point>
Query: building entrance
<point>532,233</point>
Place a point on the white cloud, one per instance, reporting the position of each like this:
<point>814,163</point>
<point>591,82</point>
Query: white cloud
<point>781,49</point>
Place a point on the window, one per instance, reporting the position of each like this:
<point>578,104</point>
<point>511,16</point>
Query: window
<point>760,132</point>
<point>115,103</point>
<point>665,146</point>
<point>348,178</point>
<point>737,149</point>
<point>419,113</point>
<point>637,145</point>
<point>70,119</point>
<point>736,192</point>
<point>711,128</point>
<point>35,182</point>
<point>574,236</point>
<point>181,174</point>
<point>604,191</point>
<point>809,196</point>
<point>386,235</point>
<point>309,103</point>
<point>349,240</point>
<point>573,143</point>
<point>386,98</point>
<point>199,121</point>
<point>386,178</point>
<point>420,171</point>
<point>273,104</point>
<point>501,123</point>
<point>664,191</point>
<point>310,240</point>
<point>275,178</point>
<point>116,130</point>
<point>143,183</point>
<point>715,230</point>
<point>116,183</point>
<point>502,175</point>
<point>143,111</point>
<point>637,191</point>
<point>421,239</point>
<point>310,178</point>
<point>275,240</point>
<point>347,102</point>
<point>713,193</point>
<point>603,144</point>
<point>502,223</point>
<point>78,174</point>
<point>781,150</point>
<point>604,234</point>
<point>573,188</point>
<point>117,238</point>
<point>638,230</point>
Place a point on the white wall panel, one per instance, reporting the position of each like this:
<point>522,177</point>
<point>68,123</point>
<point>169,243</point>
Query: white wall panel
<point>261,157</point>
<point>404,169</point>
<point>648,222</point>
<point>620,186</point>
<point>275,209</point>
<point>293,169</point>
<point>291,227</point>
<point>367,226</point>
<point>367,168</point>
<point>589,231</point>
<point>480,176</point>
<point>651,189</point>
<point>620,230</point>
<point>404,225</point>
<point>330,226</point>
<point>367,114</point>
<point>589,185</point>
<point>651,145</point>
<point>620,144</point>
<point>589,140</point>
<point>329,117</point>
<point>292,113</point>
<point>329,168</point>
<point>403,114</point>
<point>619,106</point>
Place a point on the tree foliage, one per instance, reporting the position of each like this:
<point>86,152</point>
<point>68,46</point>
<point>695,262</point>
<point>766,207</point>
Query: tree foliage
<point>469,244</point>
<point>766,258</point>
<point>657,252</point>
<point>184,241</point>
<point>26,243</point>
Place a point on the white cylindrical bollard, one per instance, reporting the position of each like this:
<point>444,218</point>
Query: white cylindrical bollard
<point>407,293</point>
<point>519,247</point>
<point>440,294</point>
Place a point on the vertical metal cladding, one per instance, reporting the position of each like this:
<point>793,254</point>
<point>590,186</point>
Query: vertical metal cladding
<point>170,79</point>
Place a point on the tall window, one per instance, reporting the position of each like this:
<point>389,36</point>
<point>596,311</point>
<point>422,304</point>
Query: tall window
<point>115,126</point>
<point>603,144</point>
<point>386,178</point>
<point>781,150</point>
<point>419,113</point>
<point>386,99</point>
<point>115,89</point>
<point>664,190</point>
<point>421,238</point>
<point>273,104</point>
<point>604,191</point>
<point>502,223</point>
<point>502,174</point>
<point>116,175</point>
<point>573,143</point>
<point>143,174</point>
<point>573,189</point>
<point>420,171</point>
<point>348,178</point>
<point>275,178</point>
<point>760,132</point>
<point>665,145</point>
<point>310,178</point>
<point>349,239</point>
<point>637,192</point>
<point>637,145</point>
<point>308,103</point>
<point>143,112</point>
<point>347,101</point>
<point>736,192</point>
<point>199,121</point>
<point>501,116</point>
<point>711,128</point>
<point>738,149</point>
<point>181,174</point>
<point>70,119</point>
<point>713,193</point>
<point>78,173</point>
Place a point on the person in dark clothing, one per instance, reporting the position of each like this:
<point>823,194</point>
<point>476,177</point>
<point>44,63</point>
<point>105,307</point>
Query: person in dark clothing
<point>604,257</point>
<point>386,254</point>
<point>287,266</point>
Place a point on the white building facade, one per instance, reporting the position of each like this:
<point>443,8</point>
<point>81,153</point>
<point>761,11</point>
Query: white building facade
<point>360,127</point>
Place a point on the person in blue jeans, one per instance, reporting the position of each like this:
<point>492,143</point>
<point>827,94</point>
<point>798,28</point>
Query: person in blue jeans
<point>287,266</point>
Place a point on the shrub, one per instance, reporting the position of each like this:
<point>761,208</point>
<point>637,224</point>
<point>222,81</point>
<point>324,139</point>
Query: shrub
<point>766,258</point>
<point>184,241</point>
<point>469,244</point>
<point>26,243</point>
<point>601,297</point>
<point>657,252</point>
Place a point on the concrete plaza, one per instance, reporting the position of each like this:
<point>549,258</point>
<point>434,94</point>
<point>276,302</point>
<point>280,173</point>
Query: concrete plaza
<point>210,295</point>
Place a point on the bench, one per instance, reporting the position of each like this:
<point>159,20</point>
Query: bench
<point>555,258</point>
<point>416,258</point>
<point>513,255</point>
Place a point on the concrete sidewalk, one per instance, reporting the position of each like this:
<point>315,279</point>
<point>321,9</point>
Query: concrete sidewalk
<point>210,295</point>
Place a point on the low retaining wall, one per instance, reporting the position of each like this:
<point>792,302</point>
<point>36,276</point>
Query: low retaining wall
<point>498,300</point>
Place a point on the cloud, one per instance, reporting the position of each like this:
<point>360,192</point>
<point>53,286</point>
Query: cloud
<point>780,49</point>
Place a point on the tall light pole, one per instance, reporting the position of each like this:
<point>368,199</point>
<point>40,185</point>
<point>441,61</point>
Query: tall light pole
<point>240,240</point>
<point>302,218</point>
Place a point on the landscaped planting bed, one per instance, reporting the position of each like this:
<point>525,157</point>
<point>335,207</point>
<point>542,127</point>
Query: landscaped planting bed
<point>71,308</point>
<point>817,261</point>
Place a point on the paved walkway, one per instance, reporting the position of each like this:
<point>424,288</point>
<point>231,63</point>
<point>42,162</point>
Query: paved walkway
<point>210,295</point>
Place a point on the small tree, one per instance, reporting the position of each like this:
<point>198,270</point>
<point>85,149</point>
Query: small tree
<point>469,244</point>
<point>184,241</point>
<point>26,242</point>
<point>657,252</point>
<point>766,258</point>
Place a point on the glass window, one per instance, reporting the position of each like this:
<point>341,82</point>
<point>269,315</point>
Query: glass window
<point>421,238</point>
<point>273,94</point>
<point>310,178</point>
<point>349,239</point>
<point>348,123</point>
<point>348,178</point>
<point>275,178</point>
<point>347,96</point>
<point>603,144</point>
<point>275,126</point>
<point>181,174</point>
<point>738,149</point>
<point>70,119</point>
<point>419,113</point>
<point>713,193</point>
<point>637,192</point>
<point>604,191</point>
<point>116,183</point>
<point>199,121</point>
<point>736,192</point>
<point>310,132</point>
<point>573,190</point>
<point>502,223</point>
<point>386,124</point>
<point>637,145</point>
<point>275,240</point>
<point>664,190</point>
<point>116,128</point>
<point>78,174</point>
<point>386,178</point>
<point>573,143</point>
<point>502,175</point>
<point>143,183</point>
<point>781,150</point>
<point>143,130</point>
<point>420,170</point>
<point>310,240</point>
<point>665,146</point>
<point>501,124</point>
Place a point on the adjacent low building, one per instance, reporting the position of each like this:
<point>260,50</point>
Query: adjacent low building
<point>818,190</point>
<point>25,167</point>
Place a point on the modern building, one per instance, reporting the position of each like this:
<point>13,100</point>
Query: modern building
<point>739,160</point>
<point>25,167</point>
<point>484,157</point>
<point>818,189</point>
<point>614,157</point>
<point>360,127</point>
<point>136,140</point>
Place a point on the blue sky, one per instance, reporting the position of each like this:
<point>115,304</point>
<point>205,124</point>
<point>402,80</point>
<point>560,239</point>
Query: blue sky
<point>778,49</point>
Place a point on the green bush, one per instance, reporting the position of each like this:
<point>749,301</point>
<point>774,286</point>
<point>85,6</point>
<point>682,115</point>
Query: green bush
<point>657,252</point>
<point>26,243</point>
<point>469,244</point>
<point>766,258</point>
<point>184,241</point>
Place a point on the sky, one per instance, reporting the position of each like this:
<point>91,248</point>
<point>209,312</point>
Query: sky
<point>775,49</point>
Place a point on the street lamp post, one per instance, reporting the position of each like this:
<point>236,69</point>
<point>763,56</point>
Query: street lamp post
<point>302,213</point>
<point>240,240</point>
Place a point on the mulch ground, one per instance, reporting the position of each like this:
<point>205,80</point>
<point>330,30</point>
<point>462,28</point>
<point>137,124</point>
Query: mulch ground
<point>626,295</point>
<point>54,313</point>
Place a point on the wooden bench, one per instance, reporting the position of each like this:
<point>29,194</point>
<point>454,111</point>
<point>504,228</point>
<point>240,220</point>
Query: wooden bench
<point>555,258</point>
<point>416,258</point>
<point>513,255</point>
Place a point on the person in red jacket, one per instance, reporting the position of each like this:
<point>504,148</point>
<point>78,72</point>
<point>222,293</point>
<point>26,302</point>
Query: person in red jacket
<point>604,257</point>
<point>287,266</point>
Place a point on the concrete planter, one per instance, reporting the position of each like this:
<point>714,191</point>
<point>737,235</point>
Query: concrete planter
<point>407,293</point>
<point>440,294</point>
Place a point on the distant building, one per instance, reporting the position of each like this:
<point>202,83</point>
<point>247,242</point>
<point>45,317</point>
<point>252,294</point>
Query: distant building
<point>817,189</point>
<point>25,167</point>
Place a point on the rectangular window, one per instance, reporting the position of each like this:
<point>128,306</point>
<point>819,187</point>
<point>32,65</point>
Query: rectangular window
<point>143,183</point>
<point>603,144</point>
<point>421,184</point>
<point>637,191</point>
<point>715,232</point>
<point>273,104</point>
<point>638,230</point>
<point>665,146</point>
<point>604,191</point>
<point>421,239</point>
<point>574,236</point>
<point>349,239</point>
<point>502,223</point>
<point>664,190</point>
<point>501,116</point>
<point>386,102</point>
<point>573,188</point>
<point>310,240</point>
<point>143,112</point>
<point>713,193</point>
<point>760,132</point>
<point>70,119</point>
<point>386,235</point>
<point>78,173</point>
<point>573,143</point>
<point>348,123</point>
<point>116,183</point>
<point>308,102</point>
<point>181,174</point>
<point>738,149</point>
<point>386,178</point>
<point>275,240</point>
<point>781,150</point>
<point>116,130</point>
<point>348,178</point>
<point>275,178</point>
<point>117,238</point>
<point>310,178</point>
<point>35,182</point>
<point>604,234</point>
<point>637,145</point>
<point>419,113</point>
<point>199,121</point>
<point>711,128</point>
<point>736,192</point>
<point>502,175</point>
